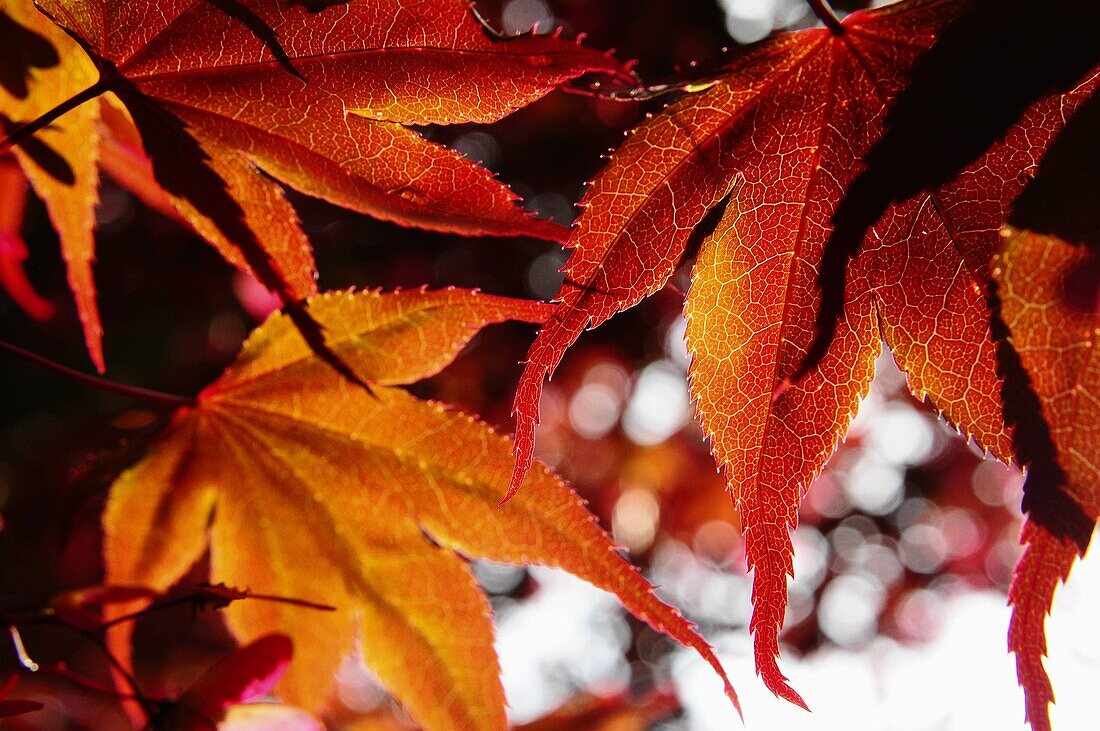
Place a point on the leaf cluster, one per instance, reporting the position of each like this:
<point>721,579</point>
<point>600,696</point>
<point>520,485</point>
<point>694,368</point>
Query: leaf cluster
<point>921,175</point>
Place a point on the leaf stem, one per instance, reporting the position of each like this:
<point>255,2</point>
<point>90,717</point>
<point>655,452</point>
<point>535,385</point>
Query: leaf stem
<point>143,394</point>
<point>142,613</point>
<point>826,15</point>
<point>200,597</point>
<point>148,706</point>
<point>21,132</point>
<point>60,670</point>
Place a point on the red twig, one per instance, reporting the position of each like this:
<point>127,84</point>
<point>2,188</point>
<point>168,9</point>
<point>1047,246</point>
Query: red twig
<point>147,705</point>
<point>21,132</point>
<point>60,670</point>
<point>155,397</point>
<point>825,14</point>
<point>209,597</point>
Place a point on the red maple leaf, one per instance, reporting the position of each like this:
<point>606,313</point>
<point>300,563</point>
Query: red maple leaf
<point>865,179</point>
<point>225,93</point>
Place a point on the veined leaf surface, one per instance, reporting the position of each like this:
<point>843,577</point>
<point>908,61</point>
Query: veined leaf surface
<point>1057,347</point>
<point>225,93</point>
<point>302,484</point>
<point>60,161</point>
<point>796,135</point>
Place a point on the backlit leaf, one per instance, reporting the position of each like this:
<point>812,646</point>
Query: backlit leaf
<point>225,696</point>
<point>245,675</point>
<point>1057,346</point>
<point>617,713</point>
<point>225,93</point>
<point>60,161</point>
<point>804,141</point>
<point>301,484</point>
<point>81,607</point>
<point>268,717</point>
<point>13,252</point>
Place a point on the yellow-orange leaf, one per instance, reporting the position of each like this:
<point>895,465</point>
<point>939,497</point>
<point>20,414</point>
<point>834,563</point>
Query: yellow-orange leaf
<point>60,161</point>
<point>302,484</point>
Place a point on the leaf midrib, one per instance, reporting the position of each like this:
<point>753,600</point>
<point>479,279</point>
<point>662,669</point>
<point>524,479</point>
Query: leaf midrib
<point>586,287</point>
<point>403,320</point>
<point>357,579</point>
<point>275,65</point>
<point>474,486</point>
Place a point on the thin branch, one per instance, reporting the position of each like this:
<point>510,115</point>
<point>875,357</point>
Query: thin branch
<point>204,598</point>
<point>143,394</point>
<point>142,613</point>
<point>825,14</point>
<point>60,670</point>
<point>291,601</point>
<point>20,133</point>
<point>148,706</point>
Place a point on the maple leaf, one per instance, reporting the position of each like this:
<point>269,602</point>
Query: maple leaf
<point>220,698</point>
<point>60,160</point>
<point>13,252</point>
<point>789,135</point>
<point>81,607</point>
<point>226,91</point>
<point>1054,345</point>
<point>303,485</point>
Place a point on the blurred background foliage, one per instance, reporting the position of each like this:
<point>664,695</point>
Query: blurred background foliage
<point>907,524</point>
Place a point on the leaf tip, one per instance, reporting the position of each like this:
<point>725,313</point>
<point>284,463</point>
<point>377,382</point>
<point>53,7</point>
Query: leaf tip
<point>778,685</point>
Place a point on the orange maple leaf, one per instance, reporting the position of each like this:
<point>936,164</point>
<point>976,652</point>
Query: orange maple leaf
<point>224,91</point>
<point>804,138</point>
<point>303,485</point>
<point>59,161</point>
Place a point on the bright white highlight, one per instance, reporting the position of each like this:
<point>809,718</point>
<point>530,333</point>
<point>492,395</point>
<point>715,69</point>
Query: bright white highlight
<point>659,405</point>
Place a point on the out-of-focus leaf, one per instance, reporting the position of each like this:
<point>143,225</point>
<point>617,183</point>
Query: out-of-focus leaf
<point>18,707</point>
<point>217,700</point>
<point>268,717</point>
<point>618,713</point>
<point>13,252</point>
<point>82,607</point>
